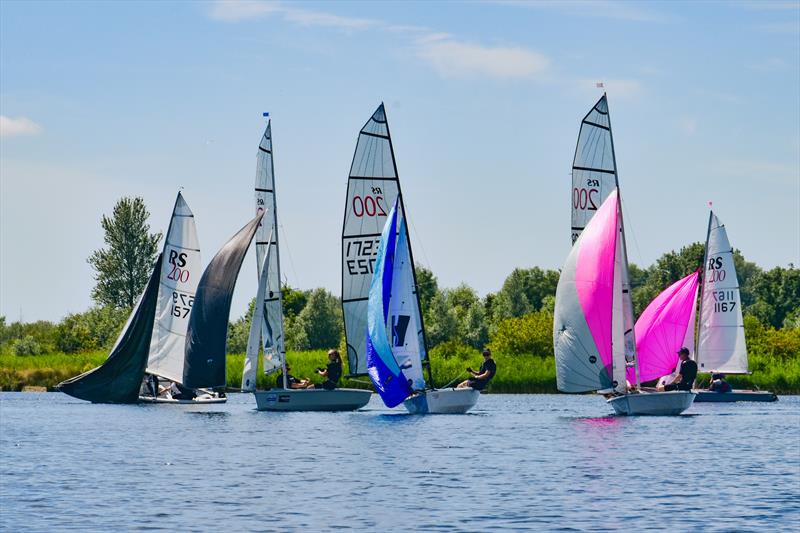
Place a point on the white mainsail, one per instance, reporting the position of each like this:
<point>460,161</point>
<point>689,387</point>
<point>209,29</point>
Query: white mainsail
<point>180,274</point>
<point>267,249</point>
<point>721,344</point>
<point>594,167</point>
<point>372,188</point>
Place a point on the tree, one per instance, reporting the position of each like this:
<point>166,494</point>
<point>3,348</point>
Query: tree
<point>122,269</point>
<point>321,320</point>
<point>469,315</point>
<point>427,286</point>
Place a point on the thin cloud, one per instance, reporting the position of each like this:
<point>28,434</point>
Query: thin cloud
<point>14,127</point>
<point>609,9</point>
<point>238,10</point>
<point>455,59</point>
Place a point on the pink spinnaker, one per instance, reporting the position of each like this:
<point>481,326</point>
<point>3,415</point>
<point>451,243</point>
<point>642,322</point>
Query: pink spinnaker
<point>594,274</point>
<point>661,329</point>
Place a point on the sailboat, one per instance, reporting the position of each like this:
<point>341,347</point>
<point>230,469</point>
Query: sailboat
<point>721,345</point>
<point>154,337</point>
<point>589,336</point>
<point>373,186</point>
<point>179,276</point>
<point>266,328</point>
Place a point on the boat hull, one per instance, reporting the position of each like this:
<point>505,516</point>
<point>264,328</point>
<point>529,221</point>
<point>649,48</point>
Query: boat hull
<point>444,401</point>
<point>735,396</point>
<point>311,399</point>
<point>195,401</point>
<point>652,403</point>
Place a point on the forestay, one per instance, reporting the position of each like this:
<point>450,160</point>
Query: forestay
<point>204,358</point>
<point>583,322</point>
<point>180,273</point>
<point>267,248</point>
<point>372,187</point>
<point>594,168</point>
<point>664,327</point>
<point>721,343</point>
<point>254,338</point>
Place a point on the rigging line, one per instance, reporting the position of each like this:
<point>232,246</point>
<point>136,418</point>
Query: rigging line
<point>419,240</point>
<point>629,226</point>
<point>289,253</point>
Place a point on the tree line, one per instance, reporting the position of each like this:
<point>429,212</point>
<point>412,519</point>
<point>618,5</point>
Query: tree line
<point>516,320</point>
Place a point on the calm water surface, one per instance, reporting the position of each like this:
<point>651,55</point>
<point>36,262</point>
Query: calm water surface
<point>518,462</point>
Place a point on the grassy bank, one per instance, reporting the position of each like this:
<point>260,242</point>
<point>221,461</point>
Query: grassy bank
<point>516,374</point>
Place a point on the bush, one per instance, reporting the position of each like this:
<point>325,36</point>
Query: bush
<point>26,346</point>
<point>95,329</point>
<point>531,334</point>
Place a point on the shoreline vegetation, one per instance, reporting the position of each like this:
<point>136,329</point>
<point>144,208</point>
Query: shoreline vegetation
<point>516,374</point>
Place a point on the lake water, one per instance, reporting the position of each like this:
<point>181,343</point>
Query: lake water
<point>518,462</point>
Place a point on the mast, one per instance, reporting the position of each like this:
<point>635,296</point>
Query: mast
<point>627,305</point>
<point>426,362</point>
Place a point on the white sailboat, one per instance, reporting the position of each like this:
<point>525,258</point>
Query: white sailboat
<point>721,345</point>
<point>266,328</point>
<point>396,334</point>
<point>179,276</point>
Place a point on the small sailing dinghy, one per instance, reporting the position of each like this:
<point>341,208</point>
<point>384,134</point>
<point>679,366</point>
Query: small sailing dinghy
<point>179,276</point>
<point>266,328</point>
<point>721,345</point>
<point>394,361</point>
<point>589,338</point>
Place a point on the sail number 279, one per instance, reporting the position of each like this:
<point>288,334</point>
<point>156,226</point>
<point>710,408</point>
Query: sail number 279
<point>181,304</point>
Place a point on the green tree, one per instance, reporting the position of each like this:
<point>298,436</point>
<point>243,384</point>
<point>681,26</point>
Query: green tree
<point>469,315</point>
<point>441,324</point>
<point>122,269</point>
<point>321,320</point>
<point>777,296</point>
<point>427,286</point>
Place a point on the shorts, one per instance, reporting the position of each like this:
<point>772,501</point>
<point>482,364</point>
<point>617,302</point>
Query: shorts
<point>328,385</point>
<point>477,384</point>
<point>675,386</point>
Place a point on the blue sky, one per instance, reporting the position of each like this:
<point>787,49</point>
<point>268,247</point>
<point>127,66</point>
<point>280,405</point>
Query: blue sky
<point>107,99</point>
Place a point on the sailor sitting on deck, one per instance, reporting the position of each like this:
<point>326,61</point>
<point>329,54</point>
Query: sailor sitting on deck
<point>718,383</point>
<point>482,377</point>
<point>685,378</point>
<point>291,381</point>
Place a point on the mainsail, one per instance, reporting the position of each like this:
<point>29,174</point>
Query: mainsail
<point>267,250</point>
<point>586,322</point>
<point>594,167</point>
<point>372,187</point>
<point>119,378</point>
<point>204,358</point>
<point>179,276</point>
<point>384,370</point>
<point>664,327</point>
<point>721,345</point>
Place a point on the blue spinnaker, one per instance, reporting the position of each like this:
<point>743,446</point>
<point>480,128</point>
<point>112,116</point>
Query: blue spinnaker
<point>382,367</point>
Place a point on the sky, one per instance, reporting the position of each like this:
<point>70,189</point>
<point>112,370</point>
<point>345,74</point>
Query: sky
<point>100,100</point>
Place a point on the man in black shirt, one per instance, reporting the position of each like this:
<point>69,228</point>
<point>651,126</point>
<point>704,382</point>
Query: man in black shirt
<point>482,377</point>
<point>688,371</point>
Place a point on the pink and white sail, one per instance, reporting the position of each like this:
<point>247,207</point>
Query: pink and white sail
<point>665,326</point>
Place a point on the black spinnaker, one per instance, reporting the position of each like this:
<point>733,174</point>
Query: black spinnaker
<point>204,357</point>
<point>118,379</point>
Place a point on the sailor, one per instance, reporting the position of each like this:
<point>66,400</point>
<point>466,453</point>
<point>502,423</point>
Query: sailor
<point>686,374</point>
<point>333,372</point>
<point>718,383</point>
<point>482,377</point>
<point>291,381</point>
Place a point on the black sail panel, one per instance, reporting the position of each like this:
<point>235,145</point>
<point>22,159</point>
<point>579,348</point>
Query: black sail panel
<point>204,356</point>
<point>118,379</point>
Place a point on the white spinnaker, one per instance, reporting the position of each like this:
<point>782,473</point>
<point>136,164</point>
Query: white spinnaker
<point>404,327</point>
<point>578,365</point>
<point>372,188</point>
<point>594,169</point>
<point>180,273</point>
<point>267,249</point>
<point>721,344</point>
<point>254,338</point>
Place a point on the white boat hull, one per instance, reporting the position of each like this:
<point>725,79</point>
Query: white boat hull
<point>444,401</point>
<point>735,396</point>
<point>311,400</point>
<point>196,401</point>
<point>669,403</point>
